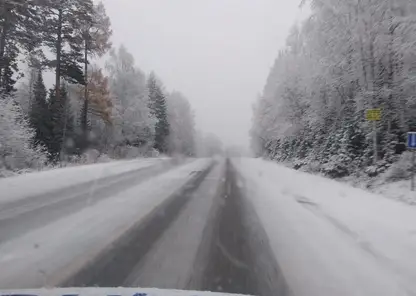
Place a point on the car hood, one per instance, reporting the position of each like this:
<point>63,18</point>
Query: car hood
<point>106,292</point>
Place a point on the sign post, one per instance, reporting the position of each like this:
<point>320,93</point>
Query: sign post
<point>374,115</point>
<point>411,144</point>
<point>413,171</point>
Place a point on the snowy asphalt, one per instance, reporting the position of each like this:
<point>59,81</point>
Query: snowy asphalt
<point>204,236</point>
<point>21,216</point>
<point>243,226</point>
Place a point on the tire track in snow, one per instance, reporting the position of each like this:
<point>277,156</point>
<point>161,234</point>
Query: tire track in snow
<point>114,265</point>
<point>235,251</point>
<point>20,217</point>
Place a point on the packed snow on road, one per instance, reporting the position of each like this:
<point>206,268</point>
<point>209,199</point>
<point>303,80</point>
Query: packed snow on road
<point>325,237</point>
<point>330,238</point>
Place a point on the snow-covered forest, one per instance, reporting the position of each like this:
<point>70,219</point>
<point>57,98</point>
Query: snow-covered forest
<point>115,111</point>
<point>346,57</point>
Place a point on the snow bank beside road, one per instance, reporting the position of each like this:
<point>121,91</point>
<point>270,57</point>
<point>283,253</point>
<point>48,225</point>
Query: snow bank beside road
<point>330,238</point>
<point>36,183</point>
<point>398,190</point>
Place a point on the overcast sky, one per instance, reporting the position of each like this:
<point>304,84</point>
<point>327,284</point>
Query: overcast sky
<point>217,52</point>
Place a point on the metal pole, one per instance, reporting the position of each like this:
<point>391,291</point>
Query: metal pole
<point>375,141</point>
<point>413,170</point>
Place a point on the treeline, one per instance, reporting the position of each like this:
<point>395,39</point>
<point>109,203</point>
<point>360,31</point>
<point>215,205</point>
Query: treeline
<point>117,111</point>
<point>347,57</point>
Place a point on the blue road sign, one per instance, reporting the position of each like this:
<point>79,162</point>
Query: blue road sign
<point>411,140</point>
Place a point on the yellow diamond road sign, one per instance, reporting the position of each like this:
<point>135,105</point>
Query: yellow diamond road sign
<point>373,114</point>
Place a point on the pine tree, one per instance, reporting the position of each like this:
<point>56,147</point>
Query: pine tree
<point>19,32</point>
<point>62,133</point>
<point>8,80</point>
<point>158,107</point>
<point>16,139</point>
<point>62,34</point>
<point>361,58</point>
<point>39,113</point>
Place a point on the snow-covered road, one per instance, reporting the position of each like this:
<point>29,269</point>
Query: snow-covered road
<point>43,242</point>
<point>39,183</point>
<point>330,238</point>
<point>48,203</point>
<point>242,226</point>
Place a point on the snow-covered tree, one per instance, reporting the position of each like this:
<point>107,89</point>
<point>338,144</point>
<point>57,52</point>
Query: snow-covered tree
<point>117,114</point>
<point>133,123</point>
<point>182,125</point>
<point>24,93</point>
<point>158,108</point>
<point>16,140</point>
<point>348,56</point>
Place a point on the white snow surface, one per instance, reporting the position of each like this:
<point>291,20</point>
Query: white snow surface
<point>330,238</point>
<point>37,259</point>
<point>23,186</point>
<point>110,291</point>
<point>399,190</point>
<point>171,261</point>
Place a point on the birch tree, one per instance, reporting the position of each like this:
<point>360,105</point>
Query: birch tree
<point>133,123</point>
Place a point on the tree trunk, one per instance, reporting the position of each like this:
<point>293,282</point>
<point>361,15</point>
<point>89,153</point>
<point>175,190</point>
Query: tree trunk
<point>3,44</point>
<point>85,111</point>
<point>58,56</point>
<point>390,80</point>
<point>361,45</point>
<point>372,62</point>
<point>63,142</point>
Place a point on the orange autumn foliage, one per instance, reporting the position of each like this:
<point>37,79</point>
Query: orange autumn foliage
<point>99,96</point>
